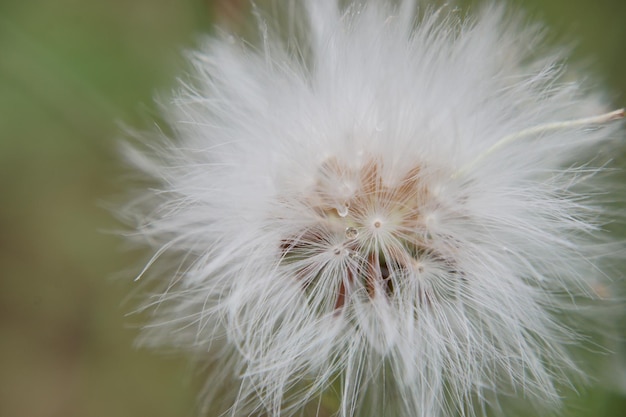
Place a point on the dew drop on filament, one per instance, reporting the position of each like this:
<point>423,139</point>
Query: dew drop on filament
<point>351,233</point>
<point>342,209</point>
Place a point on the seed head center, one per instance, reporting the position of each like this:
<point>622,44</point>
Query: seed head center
<point>377,220</point>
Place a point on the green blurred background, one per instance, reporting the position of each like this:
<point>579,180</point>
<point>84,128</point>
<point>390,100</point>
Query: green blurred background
<point>70,72</point>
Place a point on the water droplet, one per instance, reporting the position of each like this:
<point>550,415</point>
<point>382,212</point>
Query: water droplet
<point>337,251</point>
<point>351,233</point>
<point>342,209</point>
<point>378,224</point>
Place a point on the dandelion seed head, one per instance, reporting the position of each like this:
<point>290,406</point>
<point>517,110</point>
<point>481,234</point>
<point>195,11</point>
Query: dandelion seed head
<point>386,206</point>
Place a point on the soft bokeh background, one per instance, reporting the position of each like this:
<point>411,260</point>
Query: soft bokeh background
<point>70,72</point>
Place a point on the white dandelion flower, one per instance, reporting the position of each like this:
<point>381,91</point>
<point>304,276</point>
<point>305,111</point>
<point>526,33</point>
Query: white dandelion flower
<point>393,208</point>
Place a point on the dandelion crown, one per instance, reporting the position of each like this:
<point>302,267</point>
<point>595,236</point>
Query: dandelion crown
<point>376,211</point>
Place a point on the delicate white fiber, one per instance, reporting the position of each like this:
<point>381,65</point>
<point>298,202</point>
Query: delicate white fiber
<point>377,211</point>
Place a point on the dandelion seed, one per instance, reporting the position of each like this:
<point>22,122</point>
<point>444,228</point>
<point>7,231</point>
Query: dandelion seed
<point>387,207</point>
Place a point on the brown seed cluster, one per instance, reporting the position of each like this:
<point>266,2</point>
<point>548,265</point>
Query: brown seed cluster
<point>379,224</point>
